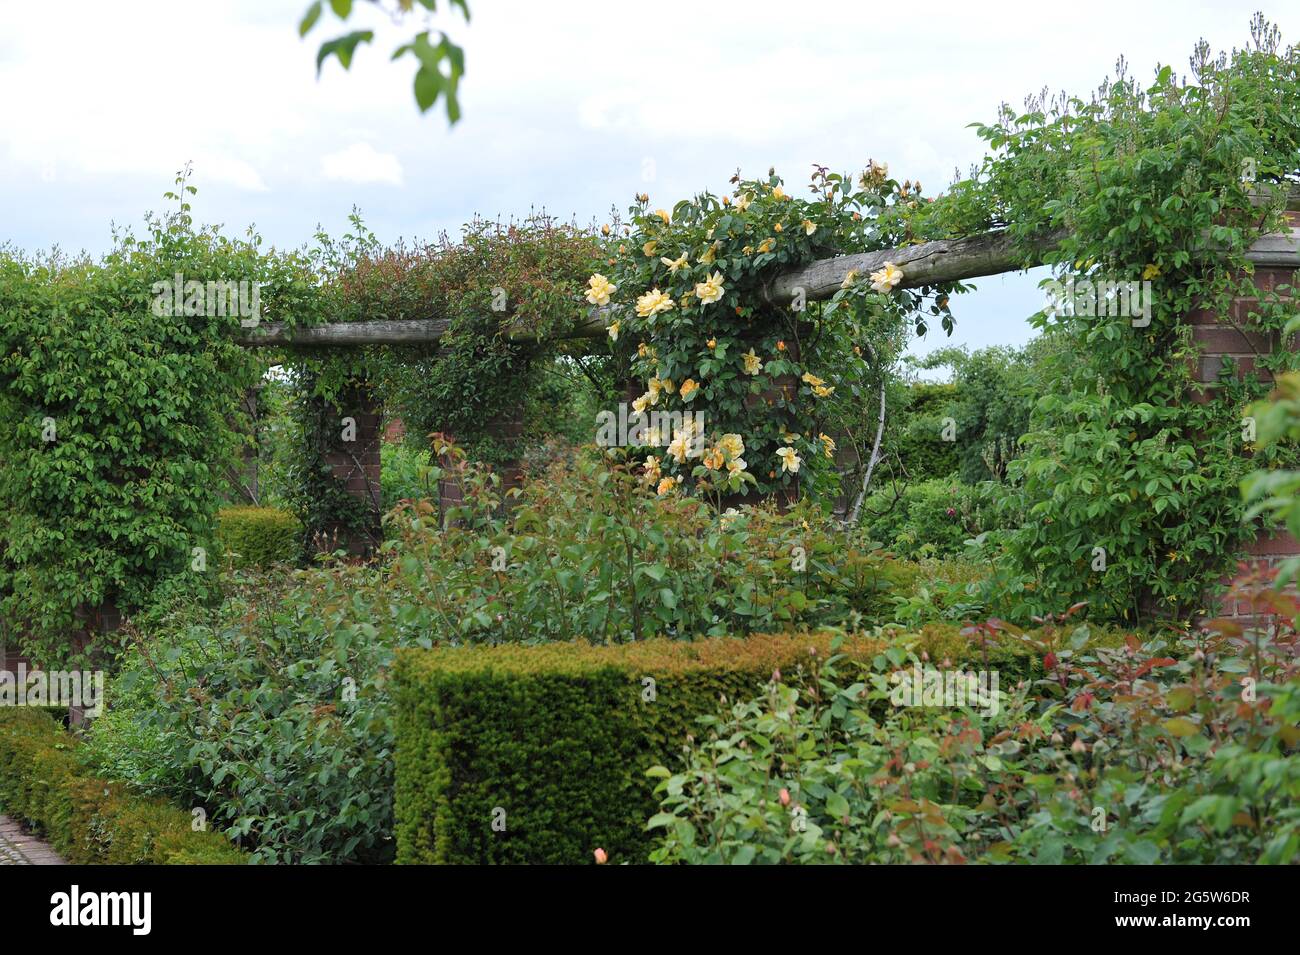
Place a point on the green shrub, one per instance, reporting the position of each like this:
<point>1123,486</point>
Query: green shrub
<point>936,517</point>
<point>258,536</point>
<point>1179,764</point>
<point>552,742</point>
<point>88,820</point>
<point>406,473</point>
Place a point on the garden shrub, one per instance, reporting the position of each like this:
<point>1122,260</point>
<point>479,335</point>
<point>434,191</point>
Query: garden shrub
<point>1116,754</point>
<point>917,427</point>
<point>258,536</point>
<point>89,820</point>
<point>936,518</point>
<point>588,552</point>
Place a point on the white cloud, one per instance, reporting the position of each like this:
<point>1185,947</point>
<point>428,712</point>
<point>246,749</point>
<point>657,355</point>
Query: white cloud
<point>361,163</point>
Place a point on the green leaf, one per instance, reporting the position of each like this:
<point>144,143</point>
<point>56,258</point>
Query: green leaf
<point>309,18</point>
<point>343,47</point>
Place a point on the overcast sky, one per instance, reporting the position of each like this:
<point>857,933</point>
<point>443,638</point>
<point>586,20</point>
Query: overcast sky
<point>569,105</point>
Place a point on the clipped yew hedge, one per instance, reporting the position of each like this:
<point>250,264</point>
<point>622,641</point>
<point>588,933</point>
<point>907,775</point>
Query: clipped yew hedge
<point>550,742</point>
<point>558,738</point>
<point>259,536</point>
<point>88,820</point>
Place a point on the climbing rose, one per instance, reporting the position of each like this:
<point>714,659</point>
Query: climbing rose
<point>885,279</point>
<point>789,460</point>
<point>599,289</point>
<point>710,290</point>
<point>652,303</point>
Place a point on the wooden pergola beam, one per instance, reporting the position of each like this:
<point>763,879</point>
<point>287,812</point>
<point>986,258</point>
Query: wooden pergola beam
<point>931,263</point>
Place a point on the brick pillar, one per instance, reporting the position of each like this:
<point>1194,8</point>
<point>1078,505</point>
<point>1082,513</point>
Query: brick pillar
<point>244,475</point>
<point>354,461</point>
<point>505,427</point>
<point>1237,337</point>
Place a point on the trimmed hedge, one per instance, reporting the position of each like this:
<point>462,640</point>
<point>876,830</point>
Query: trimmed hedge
<point>259,536</point>
<point>88,820</point>
<point>559,736</point>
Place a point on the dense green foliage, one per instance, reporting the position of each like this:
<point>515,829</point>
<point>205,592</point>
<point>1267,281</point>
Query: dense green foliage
<point>1166,183</point>
<point>88,820</point>
<point>121,419</point>
<point>937,518</point>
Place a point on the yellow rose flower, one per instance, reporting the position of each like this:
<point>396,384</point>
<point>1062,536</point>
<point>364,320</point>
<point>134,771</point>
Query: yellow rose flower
<point>885,279</point>
<point>735,465</point>
<point>663,214</point>
<point>613,331</point>
<point>767,245</point>
<point>712,343</point>
<point>753,365</point>
<point>812,379</point>
<point>649,248</point>
<point>652,303</point>
<point>789,460</point>
<point>1151,271</point>
<point>777,228</point>
<point>732,445</point>
<point>714,459</point>
<point>710,290</point>
<point>778,193</point>
<point>666,485</point>
<point>829,443</point>
<point>639,404</point>
<point>599,289</point>
<point>651,467</point>
<point>674,264</point>
<point>710,254</point>
<point>809,227</point>
<point>850,277</point>
<point>823,391</point>
<point>689,386</point>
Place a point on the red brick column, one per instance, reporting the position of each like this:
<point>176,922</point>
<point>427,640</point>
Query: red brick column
<point>506,427</point>
<point>353,457</point>
<point>1237,337</point>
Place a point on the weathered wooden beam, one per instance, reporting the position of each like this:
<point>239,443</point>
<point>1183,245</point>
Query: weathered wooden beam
<point>414,331</point>
<point>944,260</point>
<point>931,263</point>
